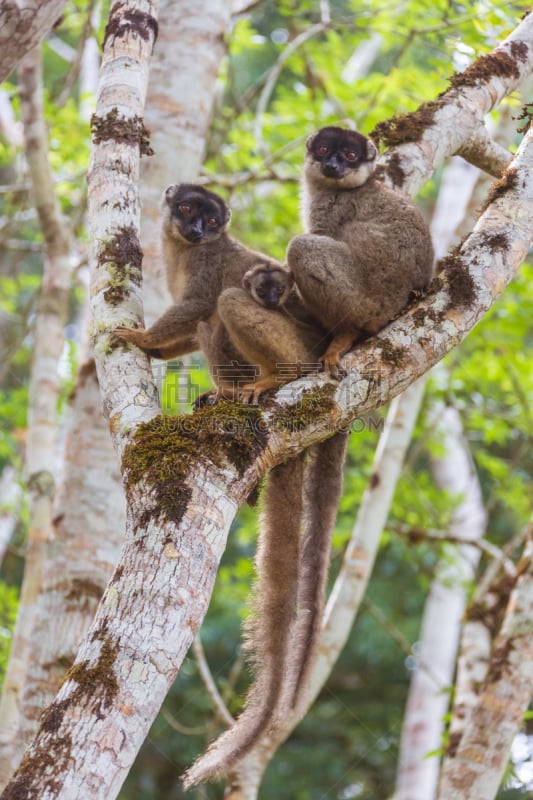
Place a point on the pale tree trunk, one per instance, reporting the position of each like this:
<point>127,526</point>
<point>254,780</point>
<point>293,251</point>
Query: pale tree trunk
<point>77,551</point>
<point>23,23</point>
<point>424,721</point>
<point>428,698</point>
<point>477,767</point>
<point>191,42</point>
<point>184,481</point>
<point>427,701</point>
<point>43,393</point>
<point>89,517</point>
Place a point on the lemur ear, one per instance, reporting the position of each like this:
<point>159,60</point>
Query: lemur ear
<point>310,139</point>
<point>171,191</point>
<point>246,280</point>
<point>371,150</point>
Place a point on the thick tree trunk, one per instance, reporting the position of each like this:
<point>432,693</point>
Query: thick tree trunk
<point>43,394</point>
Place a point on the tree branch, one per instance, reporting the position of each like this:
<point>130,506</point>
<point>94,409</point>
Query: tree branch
<point>23,23</point>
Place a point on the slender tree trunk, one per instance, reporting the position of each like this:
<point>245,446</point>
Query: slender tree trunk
<point>89,521</point>
<point>477,767</point>
<point>181,92</point>
<point>43,395</point>
<point>423,723</point>
<point>429,691</point>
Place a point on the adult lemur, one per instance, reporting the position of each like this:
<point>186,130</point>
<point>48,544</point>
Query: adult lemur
<point>367,249</point>
<point>204,264</point>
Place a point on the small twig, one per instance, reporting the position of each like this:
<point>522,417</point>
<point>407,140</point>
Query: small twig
<point>490,549</point>
<point>177,726</point>
<point>494,567</point>
<point>209,683</point>
<point>385,623</point>
<point>273,76</point>
<point>73,72</point>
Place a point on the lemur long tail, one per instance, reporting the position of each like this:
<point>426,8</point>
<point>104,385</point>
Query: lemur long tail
<point>322,493</point>
<point>269,631</point>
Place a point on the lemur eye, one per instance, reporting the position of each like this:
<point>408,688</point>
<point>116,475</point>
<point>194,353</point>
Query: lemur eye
<point>322,150</point>
<point>185,208</point>
<point>350,155</point>
<point>260,291</point>
<point>279,290</point>
<point>212,222</point>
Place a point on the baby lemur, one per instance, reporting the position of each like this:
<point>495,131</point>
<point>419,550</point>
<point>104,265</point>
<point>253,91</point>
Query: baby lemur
<point>269,301</point>
<point>304,492</point>
<point>367,247</point>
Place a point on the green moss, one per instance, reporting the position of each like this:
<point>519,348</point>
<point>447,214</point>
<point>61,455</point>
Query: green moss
<point>98,684</point>
<point>461,287</point>
<point>311,405</point>
<point>508,181</point>
<point>122,258</point>
<point>405,128</point>
<point>499,63</point>
<point>391,353</point>
<point>163,450</point>
<point>125,130</point>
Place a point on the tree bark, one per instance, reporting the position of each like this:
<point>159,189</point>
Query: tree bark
<point>186,477</point>
<point>428,699</point>
<point>89,520</point>
<point>477,768</point>
<point>43,395</point>
<point>23,23</point>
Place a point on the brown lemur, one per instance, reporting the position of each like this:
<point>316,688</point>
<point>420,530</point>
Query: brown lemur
<point>300,504</point>
<point>367,247</point>
<point>201,260</point>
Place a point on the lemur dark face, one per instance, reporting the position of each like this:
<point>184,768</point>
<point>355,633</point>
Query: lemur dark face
<point>195,214</point>
<point>268,287</point>
<point>339,157</point>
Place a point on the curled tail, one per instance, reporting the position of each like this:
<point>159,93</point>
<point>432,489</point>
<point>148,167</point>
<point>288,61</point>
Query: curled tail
<point>322,493</point>
<point>270,628</point>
